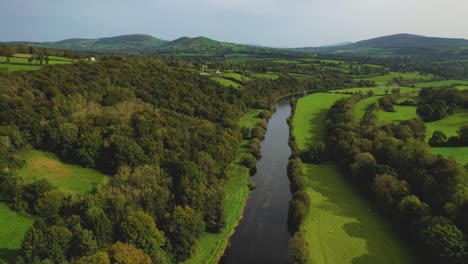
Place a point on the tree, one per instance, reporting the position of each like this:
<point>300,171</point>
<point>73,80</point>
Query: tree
<point>9,52</point>
<point>97,221</point>
<point>139,229</point>
<point>46,58</point>
<point>438,139</point>
<point>184,228</point>
<point>57,241</point>
<point>83,243</point>
<point>121,253</point>
<point>248,161</point>
<point>443,239</point>
<point>389,190</point>
<point>463,135</point>
<point>50,204</point>
<point>33,244</point>
<point>100,257</point>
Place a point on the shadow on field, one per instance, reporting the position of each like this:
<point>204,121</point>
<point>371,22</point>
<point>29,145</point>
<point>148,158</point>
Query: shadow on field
<point>343,200</point>
<point>8,255</point>
<point>317,125</point>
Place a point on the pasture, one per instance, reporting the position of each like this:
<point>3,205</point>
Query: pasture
<point>459,154</point>
<point>385,79</point>
<point>67,177</point>
<point>343,227</point>
<point>225,82</point>
<point>441,83</point>
<point>310,116</point>
<point>11,236</point>
<point>18,67</point>
<point>362,106</point>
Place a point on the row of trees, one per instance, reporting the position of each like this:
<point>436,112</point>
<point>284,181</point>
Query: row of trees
<point>422,193</point>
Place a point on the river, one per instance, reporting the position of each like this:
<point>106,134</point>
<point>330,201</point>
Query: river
<point>262,235</point>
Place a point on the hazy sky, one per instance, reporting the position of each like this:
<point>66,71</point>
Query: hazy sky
<point>292,23</point>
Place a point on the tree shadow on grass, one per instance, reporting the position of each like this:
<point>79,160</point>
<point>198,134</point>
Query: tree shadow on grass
<point>317,126</point>
<point>341,199</point>
<point>8,255</point>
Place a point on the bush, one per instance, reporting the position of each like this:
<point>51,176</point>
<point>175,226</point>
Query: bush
<point>298,250</point>
<point>248,161</point>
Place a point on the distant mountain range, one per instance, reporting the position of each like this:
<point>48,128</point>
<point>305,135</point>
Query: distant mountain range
<point>145,44</point>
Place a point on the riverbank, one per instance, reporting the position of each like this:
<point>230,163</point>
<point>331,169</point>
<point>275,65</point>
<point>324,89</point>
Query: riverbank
<point>212,246</point>
<point>340,226</point>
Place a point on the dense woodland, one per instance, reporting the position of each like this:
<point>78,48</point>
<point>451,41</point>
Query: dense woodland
<point>166,134</point>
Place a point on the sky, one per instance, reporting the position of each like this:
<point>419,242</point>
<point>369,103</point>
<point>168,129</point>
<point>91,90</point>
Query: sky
<point>275,23</point>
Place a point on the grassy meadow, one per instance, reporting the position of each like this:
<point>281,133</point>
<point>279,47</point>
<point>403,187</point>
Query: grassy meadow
<point>460,154</point>
<point>441,83</point>
<point>12,236</point>
<point>385,79</point>
<point>342,227</point>
<point>362,106</point>
<point>226,82</point>
<point>310,116</point>
<point>71,178</point>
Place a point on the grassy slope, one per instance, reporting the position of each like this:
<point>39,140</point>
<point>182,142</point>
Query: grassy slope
<point>14,67</point>
<point>310,116</point>
<point>265,75</point>
<point>362,106</point>
<point>460,154</point>
<point>11,237</point>
<point>340,227</point>
<point>401,113</point>
<point>67,177</point>
<point>448,125</point>
<point>440,83</point>
<point>211,246</point>
<point>384,79</point>
<point>226,82</point>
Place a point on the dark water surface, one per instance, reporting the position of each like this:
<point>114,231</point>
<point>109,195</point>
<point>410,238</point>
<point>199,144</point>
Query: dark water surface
<point>262,235</point>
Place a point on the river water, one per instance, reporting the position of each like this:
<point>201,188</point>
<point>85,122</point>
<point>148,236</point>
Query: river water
<point>262,235</point>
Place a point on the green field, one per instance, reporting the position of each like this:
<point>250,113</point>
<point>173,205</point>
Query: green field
<point>66,177</point>
<point>226,82</point>
<point>460,154</point>
<point>23,58</point>
<point>310,116</point>
<point>462,87</point>
<point>362,106</point>
<point>235,76</point>
<point>441,83</point>
<point>250,119</point>
<point>449,125</point>
<point>401,113</point>
<point>342,227</point>
<point>15,67</point>
<point>385,79</point>
<point>375,90</point>
<point>12,233</point>
<point>267,75</point>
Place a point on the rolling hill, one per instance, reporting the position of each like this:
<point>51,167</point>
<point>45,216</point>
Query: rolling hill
<point>396,45</point>
<point>146,44</point>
